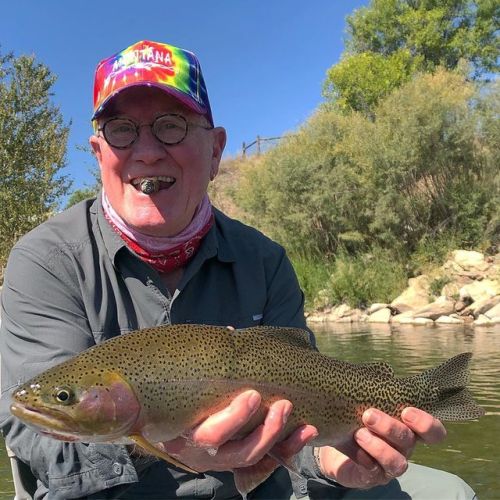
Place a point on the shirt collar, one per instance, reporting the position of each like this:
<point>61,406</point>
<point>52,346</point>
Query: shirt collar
<point>112,240</point>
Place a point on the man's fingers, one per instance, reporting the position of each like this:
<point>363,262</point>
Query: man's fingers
<point>428,428</point>
<point>391,430</point>
<point>221,426</point>
<point>253,447</point>
<point>392,461</point>
<point>352,450</point>
<point>212,446</point>
<point>347,472</point>
<point>385,445</point>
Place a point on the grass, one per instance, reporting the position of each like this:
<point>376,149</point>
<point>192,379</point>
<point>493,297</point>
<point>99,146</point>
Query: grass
<point>356,280</point>
<point>313,274</point>
<point>360,280</point>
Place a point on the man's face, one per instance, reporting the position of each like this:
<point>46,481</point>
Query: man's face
<point>185,168</point>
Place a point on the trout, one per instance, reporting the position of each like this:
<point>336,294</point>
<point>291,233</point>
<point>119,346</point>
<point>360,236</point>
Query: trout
<point>156,384</point>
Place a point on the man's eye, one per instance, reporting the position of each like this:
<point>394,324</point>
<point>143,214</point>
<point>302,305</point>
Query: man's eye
<point>168,125</point>
<point>123,128</point>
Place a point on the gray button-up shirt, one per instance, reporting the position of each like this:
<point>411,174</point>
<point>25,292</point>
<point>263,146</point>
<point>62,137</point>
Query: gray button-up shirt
<point>71,283</point>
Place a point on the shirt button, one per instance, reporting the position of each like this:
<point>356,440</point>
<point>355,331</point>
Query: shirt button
<point>117,468</point>
<point>303,486</point>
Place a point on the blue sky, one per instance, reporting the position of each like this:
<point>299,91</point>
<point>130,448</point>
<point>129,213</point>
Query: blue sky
<point>264,61</point>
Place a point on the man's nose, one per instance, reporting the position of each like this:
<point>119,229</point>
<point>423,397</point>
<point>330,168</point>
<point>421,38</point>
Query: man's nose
<point>147,148</point>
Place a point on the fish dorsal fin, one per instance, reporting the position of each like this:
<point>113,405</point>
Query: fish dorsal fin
<point>293,336</point>
<point>377,369</point>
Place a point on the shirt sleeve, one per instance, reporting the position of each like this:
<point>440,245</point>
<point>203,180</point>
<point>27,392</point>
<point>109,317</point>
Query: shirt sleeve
<point>311,477</point>
<point>43,322</point>
<point>285,299</point>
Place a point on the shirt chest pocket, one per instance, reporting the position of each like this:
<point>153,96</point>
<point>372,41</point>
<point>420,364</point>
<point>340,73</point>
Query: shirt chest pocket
<point>235,320</point>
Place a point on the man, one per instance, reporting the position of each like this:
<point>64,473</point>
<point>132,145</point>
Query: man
<point>152,250</point>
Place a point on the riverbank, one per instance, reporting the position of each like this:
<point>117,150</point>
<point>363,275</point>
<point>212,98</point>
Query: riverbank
<point>464,290</point>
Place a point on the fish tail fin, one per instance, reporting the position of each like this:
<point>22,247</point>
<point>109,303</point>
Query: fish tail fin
<point>454,401</point>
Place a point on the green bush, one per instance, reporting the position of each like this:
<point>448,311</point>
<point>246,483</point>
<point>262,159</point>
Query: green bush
<point>432,251</point>
<point>418,179</point>
<point>377,276</point>
<point>313,274</point>
<point>304,192</point>
<point>426,165</point>
<point>437,285</point>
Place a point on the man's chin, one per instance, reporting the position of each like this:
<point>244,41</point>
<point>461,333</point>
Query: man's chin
<point>145,215</point>
<point>156,226</point>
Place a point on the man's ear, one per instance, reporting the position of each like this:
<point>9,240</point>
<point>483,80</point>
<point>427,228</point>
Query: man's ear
<point>217,150</point>
<point>96,147</point>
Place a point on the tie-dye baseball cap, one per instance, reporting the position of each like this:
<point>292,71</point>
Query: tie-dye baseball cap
<point>175,70</point>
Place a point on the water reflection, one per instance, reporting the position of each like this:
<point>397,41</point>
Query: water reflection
<point>471,449</point>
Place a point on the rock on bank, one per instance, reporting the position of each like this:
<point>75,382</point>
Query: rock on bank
<point>466,289</point>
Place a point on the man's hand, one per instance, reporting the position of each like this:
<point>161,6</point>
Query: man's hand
<point>381,449</point>
<point>210,446</point>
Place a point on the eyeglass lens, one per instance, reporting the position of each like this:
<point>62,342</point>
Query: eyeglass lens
<point>122,132</point>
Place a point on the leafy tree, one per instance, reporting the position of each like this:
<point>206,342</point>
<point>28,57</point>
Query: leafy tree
<point>358,81</point>
<point>33,141</point>
<point>442,32</point>
<point>389,41</point>
<point>80,195</point>
<point>89,190</point>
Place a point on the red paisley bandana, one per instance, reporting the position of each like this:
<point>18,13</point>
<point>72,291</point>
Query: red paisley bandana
<point>175,258</point>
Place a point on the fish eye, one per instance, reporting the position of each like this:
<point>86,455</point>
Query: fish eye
<point>63,395</point>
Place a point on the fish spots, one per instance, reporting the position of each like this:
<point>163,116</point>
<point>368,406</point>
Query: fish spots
<point>176,375</point>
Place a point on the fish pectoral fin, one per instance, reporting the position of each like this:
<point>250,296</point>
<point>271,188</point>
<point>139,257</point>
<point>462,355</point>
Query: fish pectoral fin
<point>247,479</point>
<point>289,463</point>
<point>157,452</point>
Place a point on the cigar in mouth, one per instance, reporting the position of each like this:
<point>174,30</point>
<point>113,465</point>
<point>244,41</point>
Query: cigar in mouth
<point>149,186</point>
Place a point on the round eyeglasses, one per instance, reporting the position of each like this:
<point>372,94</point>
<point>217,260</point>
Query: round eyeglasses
<point>169,129</point>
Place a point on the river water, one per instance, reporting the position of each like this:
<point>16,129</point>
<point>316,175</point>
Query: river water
<point>472,449</point>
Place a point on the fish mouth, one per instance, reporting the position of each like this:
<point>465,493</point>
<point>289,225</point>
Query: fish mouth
<point>47,421</point>
<point>152,184</point>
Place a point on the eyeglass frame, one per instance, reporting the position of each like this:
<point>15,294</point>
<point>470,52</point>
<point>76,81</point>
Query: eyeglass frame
<point>138,126</point>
